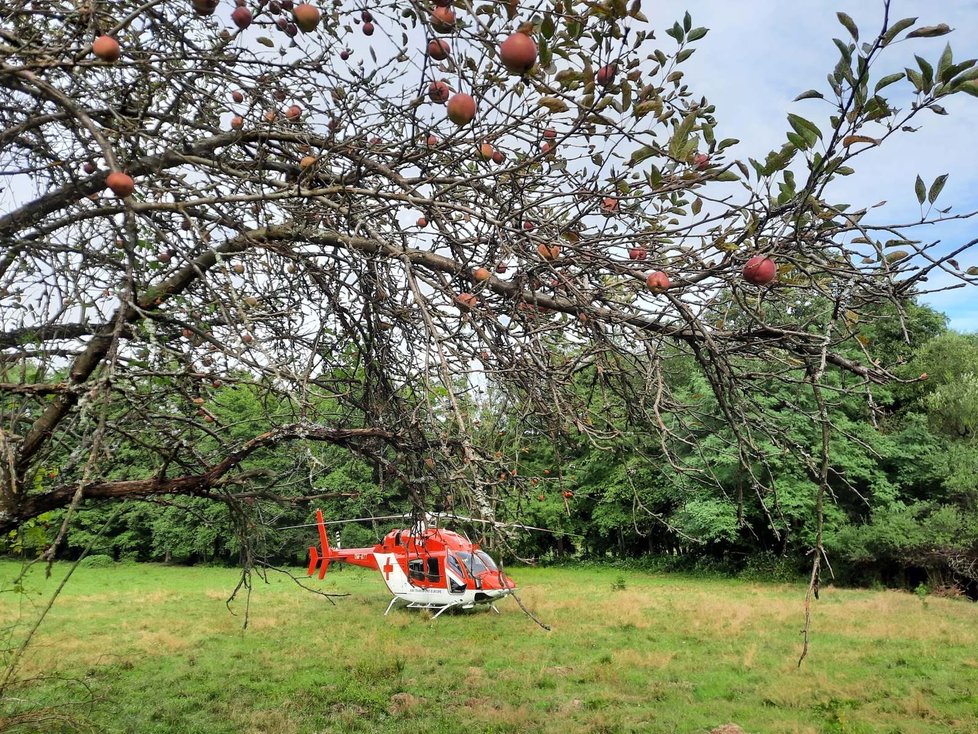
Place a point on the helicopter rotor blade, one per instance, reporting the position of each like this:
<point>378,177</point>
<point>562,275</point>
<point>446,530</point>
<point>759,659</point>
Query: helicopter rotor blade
<point>341,522</point>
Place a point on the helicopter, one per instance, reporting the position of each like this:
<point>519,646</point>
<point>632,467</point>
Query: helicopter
<point>424,567</point>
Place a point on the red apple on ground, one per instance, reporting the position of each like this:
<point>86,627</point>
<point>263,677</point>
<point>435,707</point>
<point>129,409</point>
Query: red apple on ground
<point>760,270</point>
<point>461,109</point>
<point>518,53</point>
<point>658,282</point>
<point>106,48</point>
<point>121,184</point>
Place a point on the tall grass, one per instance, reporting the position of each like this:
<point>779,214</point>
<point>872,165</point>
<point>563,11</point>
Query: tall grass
<point>143,648</point>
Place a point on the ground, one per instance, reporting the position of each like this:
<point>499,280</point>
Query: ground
<point>159,652</point>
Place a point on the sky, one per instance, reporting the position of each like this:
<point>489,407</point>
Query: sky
<point>760,54</point>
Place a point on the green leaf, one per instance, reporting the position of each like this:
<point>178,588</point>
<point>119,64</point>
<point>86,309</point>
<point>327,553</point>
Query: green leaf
<point>930,31</point>
<point>697,33</point>
<point>810,94</point>
<point>641,154</point>
<point>266,41</point>
<point>944,64</point>
<point>888,80</point>
<point>684,54</point>
<point>687,21</point>
<point>936,188</point>
<point>849,24</point>
<point>920,189</point>
<point>807,129</point>
<point>894,30</point>
<point>726,176</point>
<point>969,88</point>
<point>927,71</point>
<point>697,205</point>
<point>798,141</point>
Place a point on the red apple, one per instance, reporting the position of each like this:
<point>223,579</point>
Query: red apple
<point>306,17</point>
<point>606,75</point>
<point>466,301</point>
<point>518,53</point>
<point>121,184</point>
<point>443,19</point>
<point>461,109</point>
<point>658,282</point>
<point>237,122</point>
<point>89,167</point>
<point>498,157</point>
<point>481,274</point>
<point>439,92</point>
<point>106,48</point>
<point>438,49</point>
<point>294,112</point>
<point>609,206</point>
<point>308,161</point>
<point>241,17</point>
<point>237,96</point>
<point>550,134</point>
<point>760,270</point>
<point>485,151</point>
<point>701,161</point>
<point>548,252</point>
<point>204,7</point>
<point>500,267</point>
<point>368,29</point>
<point>431,140</point>
<point>637,253</point>
<point>422,222</point>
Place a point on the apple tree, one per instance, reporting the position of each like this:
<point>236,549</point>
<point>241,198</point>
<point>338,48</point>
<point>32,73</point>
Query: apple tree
<point>370,212</point>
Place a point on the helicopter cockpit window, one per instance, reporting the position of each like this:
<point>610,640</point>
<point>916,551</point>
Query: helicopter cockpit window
<point>474,563</point>
<point>489,563</point>
<point>433,574</point>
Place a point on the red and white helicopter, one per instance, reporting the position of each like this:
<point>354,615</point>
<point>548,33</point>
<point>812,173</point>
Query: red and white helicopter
<point>424,567</point>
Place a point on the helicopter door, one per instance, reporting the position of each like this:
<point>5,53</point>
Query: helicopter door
<point>455,574</point>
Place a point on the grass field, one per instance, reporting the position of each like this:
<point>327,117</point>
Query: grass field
<point>628,652</point>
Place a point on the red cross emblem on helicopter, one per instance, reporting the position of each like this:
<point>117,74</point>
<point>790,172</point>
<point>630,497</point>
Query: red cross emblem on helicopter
<point>387,569</point>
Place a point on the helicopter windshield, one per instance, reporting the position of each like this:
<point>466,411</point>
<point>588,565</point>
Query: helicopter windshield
<point>477,563</point>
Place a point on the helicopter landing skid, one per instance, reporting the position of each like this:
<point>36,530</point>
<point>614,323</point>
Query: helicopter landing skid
<point>440,607</point>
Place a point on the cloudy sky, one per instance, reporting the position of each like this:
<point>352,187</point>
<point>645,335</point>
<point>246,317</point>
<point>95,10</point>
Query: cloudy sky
<point>760,54</point>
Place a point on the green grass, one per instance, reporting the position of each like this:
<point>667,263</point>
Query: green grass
<point>629,652</point>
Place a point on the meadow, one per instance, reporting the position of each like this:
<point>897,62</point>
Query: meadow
<point>147,648</point>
